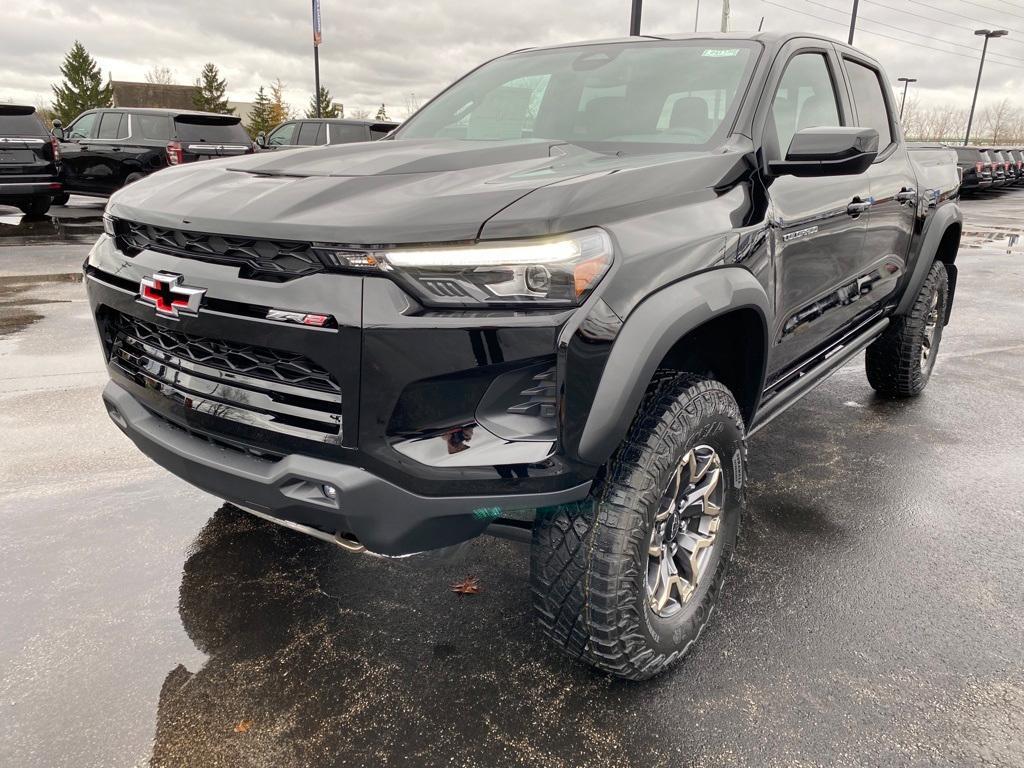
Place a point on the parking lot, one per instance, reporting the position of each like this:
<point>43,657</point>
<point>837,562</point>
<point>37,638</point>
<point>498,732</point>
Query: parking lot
<point>874,615</point>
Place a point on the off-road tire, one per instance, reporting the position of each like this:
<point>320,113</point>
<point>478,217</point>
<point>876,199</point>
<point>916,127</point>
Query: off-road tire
<point>35,206</point>
<point>589,559</point>
<point>893,360</point>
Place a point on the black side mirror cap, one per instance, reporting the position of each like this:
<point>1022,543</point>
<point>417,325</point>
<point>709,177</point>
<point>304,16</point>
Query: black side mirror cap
<point>261,140</point>
<point>831,151</point>
<point>58,130</point>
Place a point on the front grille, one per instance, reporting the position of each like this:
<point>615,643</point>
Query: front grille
<point>273,260</point>
<point>252,386</point>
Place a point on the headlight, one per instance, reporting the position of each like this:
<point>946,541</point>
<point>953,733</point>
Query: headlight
<point>559,271</point>
<point>108,224</point>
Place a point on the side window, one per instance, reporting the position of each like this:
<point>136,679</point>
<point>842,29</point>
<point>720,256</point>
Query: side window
<point>153,127</point>
<point>110,126</point>
<point>872,111</point>
<point>806,98</point>
<point>343,133</point>
<point>283,136</point>
<point>321,135</point>
<point>82,128</point>
<point>307,134</point>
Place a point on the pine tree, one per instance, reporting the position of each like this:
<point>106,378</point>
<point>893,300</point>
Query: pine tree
<point>382,114</point>
<point>328,107</point>
<point>83,86</point>
<point>210,88</point>
<point>260,117</point>
<point>279,111</point>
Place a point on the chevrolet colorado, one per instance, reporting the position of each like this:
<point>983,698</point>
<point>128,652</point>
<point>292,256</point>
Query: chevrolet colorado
<point>552,305</point>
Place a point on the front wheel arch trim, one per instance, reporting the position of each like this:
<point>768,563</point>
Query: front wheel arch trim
<point>648,335</point>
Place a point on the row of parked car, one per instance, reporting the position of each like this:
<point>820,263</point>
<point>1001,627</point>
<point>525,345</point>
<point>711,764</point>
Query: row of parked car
<point>989,167</point>
<point>104,149</point>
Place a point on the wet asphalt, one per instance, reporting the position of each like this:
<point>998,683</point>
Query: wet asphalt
<point>874,614</point>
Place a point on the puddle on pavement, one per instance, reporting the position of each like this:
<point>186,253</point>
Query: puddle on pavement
<point>60,225</point>
<point>16,303</point>
<point>1010,238</point>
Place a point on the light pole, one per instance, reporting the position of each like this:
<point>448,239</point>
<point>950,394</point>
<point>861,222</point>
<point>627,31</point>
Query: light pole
<point>634,18</point>
<point>906,81</point>
<point>986,33</point>
<point>853,21</point>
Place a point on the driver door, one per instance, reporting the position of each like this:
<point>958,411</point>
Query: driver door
<point>817,225</point>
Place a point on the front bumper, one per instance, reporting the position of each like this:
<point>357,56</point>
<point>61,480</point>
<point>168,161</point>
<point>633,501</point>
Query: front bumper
<point>385,518</point>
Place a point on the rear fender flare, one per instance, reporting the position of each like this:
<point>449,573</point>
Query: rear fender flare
<point>935,229</point>
<point>650,331</point>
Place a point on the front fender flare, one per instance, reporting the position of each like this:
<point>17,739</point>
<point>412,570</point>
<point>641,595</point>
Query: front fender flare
<point>646,337</point>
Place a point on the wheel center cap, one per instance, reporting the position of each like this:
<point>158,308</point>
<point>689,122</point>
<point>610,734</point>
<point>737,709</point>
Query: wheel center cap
<point>672,529</point>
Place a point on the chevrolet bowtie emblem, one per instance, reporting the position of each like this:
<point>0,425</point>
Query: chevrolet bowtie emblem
<point>166,293</point>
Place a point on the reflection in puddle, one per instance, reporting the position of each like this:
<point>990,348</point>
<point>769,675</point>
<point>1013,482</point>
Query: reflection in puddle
<point>1008,237</point>
<point>16,308</point>
<point>75,224</point>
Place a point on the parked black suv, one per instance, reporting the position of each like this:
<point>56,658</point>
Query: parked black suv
<point>313,132</point>
<point>552,306</point>
<point>105,149</point>
<point>29,161</point>
<point>975,169</point>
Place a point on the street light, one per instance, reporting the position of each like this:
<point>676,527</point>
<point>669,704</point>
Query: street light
<point>986,33</point>
<point>634,18</point>
<point>906,81</point>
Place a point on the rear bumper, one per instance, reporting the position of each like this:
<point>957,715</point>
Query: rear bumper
<point>385,518</point>
<point>29,188</point>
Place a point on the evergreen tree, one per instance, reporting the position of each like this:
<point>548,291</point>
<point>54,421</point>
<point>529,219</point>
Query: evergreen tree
<point>260,118</point>
<point>209,95</point>
<point>382,114</point>
<point>279,111</point>
<point>82,88</point>
<point>328,107</point>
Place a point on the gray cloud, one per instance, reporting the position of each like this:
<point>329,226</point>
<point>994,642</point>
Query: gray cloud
<point>382,52</point>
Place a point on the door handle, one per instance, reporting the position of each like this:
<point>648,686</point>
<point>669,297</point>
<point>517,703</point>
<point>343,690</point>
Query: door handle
<point>906,195</point>
<point>858,206</point>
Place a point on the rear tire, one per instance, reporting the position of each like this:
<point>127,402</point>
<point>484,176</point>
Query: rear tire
<point>600,591</point>
<point>35,206</point>
<point>133,177</point>
<point>61,198</point>
<point>899,363</point>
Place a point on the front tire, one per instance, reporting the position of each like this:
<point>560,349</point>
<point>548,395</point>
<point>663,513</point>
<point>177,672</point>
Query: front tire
<point>627,579</point>
<point>899,363</point>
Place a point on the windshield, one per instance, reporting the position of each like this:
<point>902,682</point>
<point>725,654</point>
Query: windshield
<point>672,95</point>
<point>218,132</point>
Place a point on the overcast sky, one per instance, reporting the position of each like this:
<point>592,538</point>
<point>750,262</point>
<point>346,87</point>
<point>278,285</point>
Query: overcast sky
<point>384,51</point>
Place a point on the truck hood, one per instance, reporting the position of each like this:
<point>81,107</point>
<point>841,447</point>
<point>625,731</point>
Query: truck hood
<point>388,192</point>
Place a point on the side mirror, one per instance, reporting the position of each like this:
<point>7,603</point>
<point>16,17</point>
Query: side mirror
<point>834,151</point>
<point>261,140</point>
<point>58,130</point>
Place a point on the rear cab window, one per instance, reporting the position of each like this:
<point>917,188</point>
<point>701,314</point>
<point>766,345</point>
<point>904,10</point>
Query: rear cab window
<point>869,100</point>
<point>346,134</point>
<point>21,122</point>
<point>202,129</point>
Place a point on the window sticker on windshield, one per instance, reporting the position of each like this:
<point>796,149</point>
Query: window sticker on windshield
<point>720,53</point>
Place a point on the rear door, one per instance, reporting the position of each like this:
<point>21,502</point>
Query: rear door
<point>309,134</point>
<point>106,170</point>
<point>817,225</point>
<point>894,193</point>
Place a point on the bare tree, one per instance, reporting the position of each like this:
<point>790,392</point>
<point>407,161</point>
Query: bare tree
<point>361,114</point>
<point>411,104</point>
<point>161,75</point>
<point>997,119</point>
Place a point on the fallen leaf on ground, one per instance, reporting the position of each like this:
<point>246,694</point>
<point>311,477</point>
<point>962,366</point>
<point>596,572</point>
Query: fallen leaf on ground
<point>468,586</point>
<point>243,726</point>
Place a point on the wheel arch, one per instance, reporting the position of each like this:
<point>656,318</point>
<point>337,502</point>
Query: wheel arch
<point>714,323</point>
<point>940,241</point>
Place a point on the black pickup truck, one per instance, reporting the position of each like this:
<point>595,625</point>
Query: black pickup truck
<point>553,305</point>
